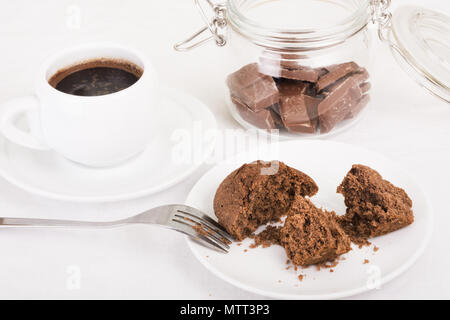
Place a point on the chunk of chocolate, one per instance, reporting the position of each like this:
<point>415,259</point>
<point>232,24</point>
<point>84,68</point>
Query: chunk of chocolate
<point>312,103</point>
<point>365,87</point>
<point>361,97</point>
<point>264,119</point>
<point>287,66</point>
<point>252,88</point>
<point>276,108</point>
<point>338,102</point>
<point>361,75</point>
<point>355,108</point>
<point>294,106</point>
<point>334,73</point>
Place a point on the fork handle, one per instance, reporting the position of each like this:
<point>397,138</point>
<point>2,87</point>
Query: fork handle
<point>25,222</point>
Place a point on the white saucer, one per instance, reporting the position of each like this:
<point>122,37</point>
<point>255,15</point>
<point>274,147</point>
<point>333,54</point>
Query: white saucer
<point>49,175</point>
<point>263,270</point>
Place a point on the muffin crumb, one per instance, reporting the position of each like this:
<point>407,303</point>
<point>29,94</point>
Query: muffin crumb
<point>267,237</point>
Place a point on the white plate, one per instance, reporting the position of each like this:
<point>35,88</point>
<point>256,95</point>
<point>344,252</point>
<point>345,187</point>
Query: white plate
<point>263,271</point>
<point>157,168</point>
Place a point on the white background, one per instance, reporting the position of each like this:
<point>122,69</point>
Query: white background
<point>404,123</point>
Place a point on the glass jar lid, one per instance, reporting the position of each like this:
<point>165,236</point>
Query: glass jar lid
<point>420,41</point>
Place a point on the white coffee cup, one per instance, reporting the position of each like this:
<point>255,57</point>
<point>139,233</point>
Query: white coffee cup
<point>94,131</point>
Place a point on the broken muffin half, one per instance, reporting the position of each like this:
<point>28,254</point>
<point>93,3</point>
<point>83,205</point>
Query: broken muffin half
<point>258,193</point>
<point>311,235</point>
<point>374,206</point>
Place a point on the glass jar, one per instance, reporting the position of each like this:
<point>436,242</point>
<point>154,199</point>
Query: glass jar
<point>302,66</point>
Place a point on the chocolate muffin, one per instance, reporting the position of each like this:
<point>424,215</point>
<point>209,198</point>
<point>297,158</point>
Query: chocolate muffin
<point>311,235</point>
<point>374,206</point>
<point>258,193</point>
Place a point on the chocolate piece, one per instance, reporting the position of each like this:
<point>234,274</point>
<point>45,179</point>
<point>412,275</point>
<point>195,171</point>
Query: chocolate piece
<point>361,75</point>
<point>252,88</point>
<point>264,119</point>
<point>356,108</point>
<point>335,72</point>
<point>287,66</point>
<point>292,102</point>
<point>276,108</point>
<point>312,103</point>
<point>294,107</point>
<point>303,127</point>
<point>300,73</point>
<point>335,107</point>
<point>365,87</point>
<point>276,117</point>
<point>360,102</point>
<point>355,91</point>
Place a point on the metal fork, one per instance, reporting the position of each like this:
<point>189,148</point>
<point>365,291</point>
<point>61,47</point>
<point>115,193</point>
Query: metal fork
<point>181,218</point>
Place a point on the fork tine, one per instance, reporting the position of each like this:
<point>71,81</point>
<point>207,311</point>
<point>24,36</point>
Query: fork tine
<point>221,229</point>
<point>203,241</point>
<point>205,219</point>
<point>189,216</point>
<point>209,232</point>
<point>202,215</point>
<point>207,228</point>
<point>196,236</point>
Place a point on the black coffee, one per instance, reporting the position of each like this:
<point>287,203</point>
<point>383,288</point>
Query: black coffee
<point>96,77</point>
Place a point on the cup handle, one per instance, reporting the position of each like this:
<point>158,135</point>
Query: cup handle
<point>13,110</point>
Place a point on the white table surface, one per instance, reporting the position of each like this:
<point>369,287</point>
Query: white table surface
<point>404,123</point>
